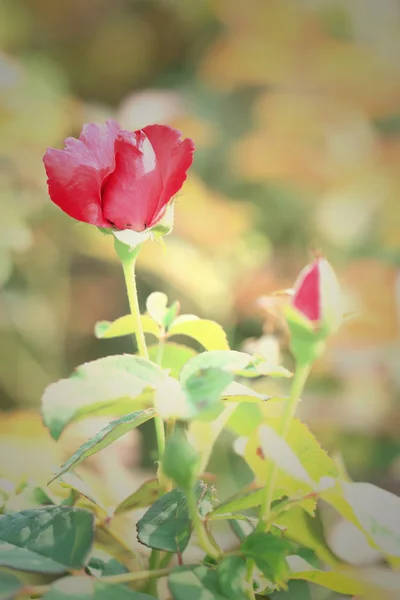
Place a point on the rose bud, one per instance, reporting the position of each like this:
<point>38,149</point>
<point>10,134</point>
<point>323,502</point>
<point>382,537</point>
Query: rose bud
<point>119,179</point>
<point>315,311</point>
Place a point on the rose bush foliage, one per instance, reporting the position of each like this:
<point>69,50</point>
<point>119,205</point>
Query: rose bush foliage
<point>61,547</point>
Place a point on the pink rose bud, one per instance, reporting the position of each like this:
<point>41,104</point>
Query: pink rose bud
<point>316,309</point>
<point>317,296</point>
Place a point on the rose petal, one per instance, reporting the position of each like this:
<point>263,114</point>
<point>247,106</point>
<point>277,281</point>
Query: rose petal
<point>174,157</point>
<point>76,174</point>
<point>132,193</point>
<point>307,296</point>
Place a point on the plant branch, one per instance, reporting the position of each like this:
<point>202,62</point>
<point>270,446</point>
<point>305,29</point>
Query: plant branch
<point>264,520</point>
<point>39,590</point>
<point>299,380</point>
<point>205,542</point>
<point>128,260</point>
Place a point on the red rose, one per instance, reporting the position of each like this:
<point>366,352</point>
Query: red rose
<point>118,179</point>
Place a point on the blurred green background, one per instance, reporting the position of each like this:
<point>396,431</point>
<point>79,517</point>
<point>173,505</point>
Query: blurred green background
<point>294,106</point>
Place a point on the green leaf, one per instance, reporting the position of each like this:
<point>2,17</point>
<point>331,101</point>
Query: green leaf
<point>142,497</point>
<point>239,502</point>
<point>98,566</point>
<point>245,419</point>
<point>259,367</point>
<point>297,590</point>
<point>342,583</point>
<point>207,333</point>
<point>173,357</point>
<point>156,306</point>
<point>204,392</point>
<point>232,577</point>
<point>74,482</point>
<point>301,448</point>
<point>10,586</point>
<point>269,553</point>
<point>125,326</point>
<point>105,437</point>
<point>108,386</point>
<point>166,525</point>
<point>377,511</point>
<point>237,392</point>
<point>180,460</point>
<point>54,539</point>
<point>241,527</point>
<point>195,583</point>
<point>88,588</point>
<point>226,360</point>
<point>306,530</point>
<point>276,449</point>
<point>171,314</point>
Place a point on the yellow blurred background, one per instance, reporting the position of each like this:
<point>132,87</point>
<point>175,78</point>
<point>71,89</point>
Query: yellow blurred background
<point>294,106</point>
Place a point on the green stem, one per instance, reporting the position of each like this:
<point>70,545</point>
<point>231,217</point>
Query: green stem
<point>170,427</point>
<point>160,352</point>
<point>151,587</point>
<point>299,380</point>
<point>164,562</point>
<point>204,540</point>
<point>264,520</point>
<point>138,576</point>
<point>128,260</point>
<point>40,590</point>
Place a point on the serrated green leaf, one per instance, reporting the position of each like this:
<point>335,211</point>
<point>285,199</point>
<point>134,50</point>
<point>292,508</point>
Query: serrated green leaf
<point>10,586</point>
<point>195,583</point>
<point>245,419</point>
<point>108,386</point>
<point>207,333</point>
<point>173,357</point>
<point>171,314</point>
<point>269,553</point>
<point>105,437</point>
<point>125,326</point>
<point>377,512</point>
<point>74,482</point>
<point>308,531</point>
<point>204,433</point>
<point>237,392</point>
<point>88,588</point>
<point>230,361</point>
<point>239,502</point>
<point>232,577</point>
<point>204,392</point>
<point>180,460</point>
<point>166,525</point>
<point>259,367</point>
<point>104,567</point>
<point>241,527</point>
<point>297,590</point>
<point>53,539</point>
<point>156,306</point>
<point>301,449</point>
<point>342,583</point>
<point>142,497</point>
<point>276,449</point>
